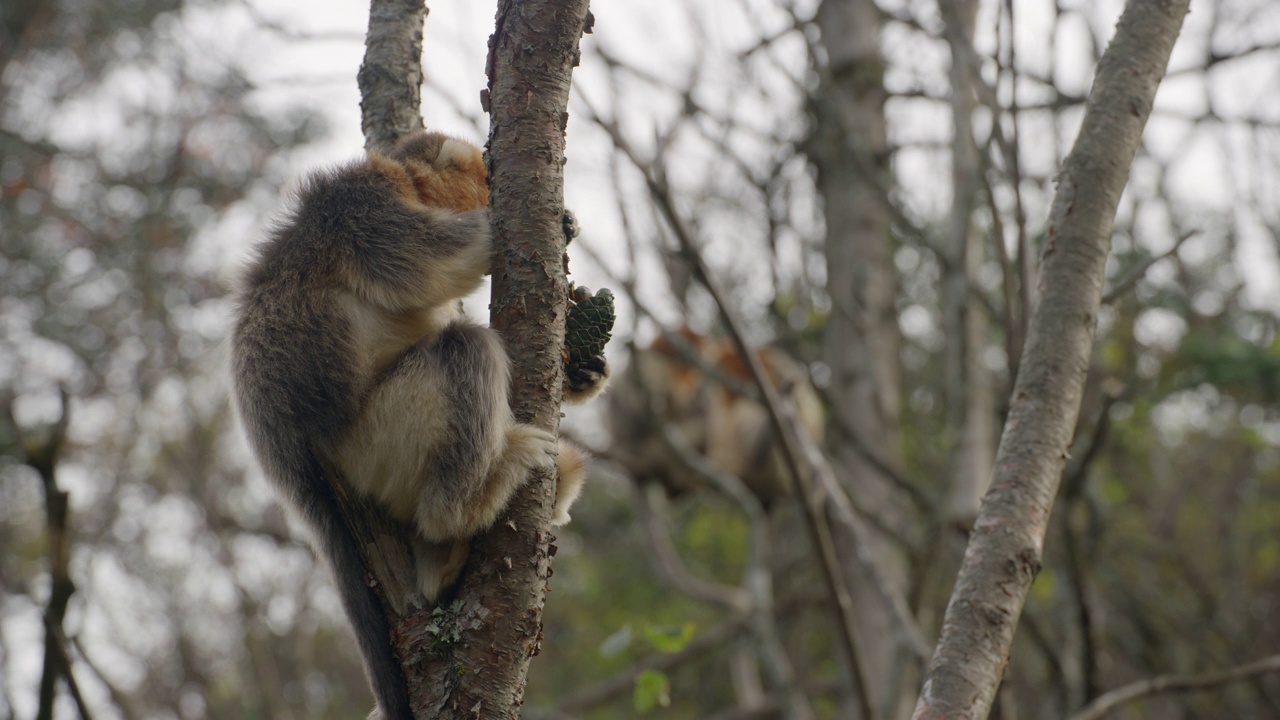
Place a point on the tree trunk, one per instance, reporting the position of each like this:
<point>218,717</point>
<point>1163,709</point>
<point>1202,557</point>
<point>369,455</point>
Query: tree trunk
<point>1004,551</point>
<point>470,658</point>
<point>861,341</point>
<point>390,76</point>
<point>970,392</point>
<point>531,58</point>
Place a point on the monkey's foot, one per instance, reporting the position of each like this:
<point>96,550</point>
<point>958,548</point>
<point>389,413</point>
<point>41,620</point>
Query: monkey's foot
<point>439,565</point>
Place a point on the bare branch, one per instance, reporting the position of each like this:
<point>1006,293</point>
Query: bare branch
<point>1140,272</point>
<point>756,578</point>
<point>42,454</point>
<point>623,682</point>
<point>60,646</point>
<point>122,706</point>
<point>671,568</point>
<point>815,521</point>
<point>1004,552</point>
<point>1174,683</point>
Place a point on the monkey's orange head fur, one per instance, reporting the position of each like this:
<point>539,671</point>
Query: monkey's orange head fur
<point>446,172</point>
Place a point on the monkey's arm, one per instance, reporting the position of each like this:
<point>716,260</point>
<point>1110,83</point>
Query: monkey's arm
<point>395,252</point>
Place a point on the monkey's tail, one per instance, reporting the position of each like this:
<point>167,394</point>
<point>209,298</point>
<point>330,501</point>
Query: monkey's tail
<point>373,633</point>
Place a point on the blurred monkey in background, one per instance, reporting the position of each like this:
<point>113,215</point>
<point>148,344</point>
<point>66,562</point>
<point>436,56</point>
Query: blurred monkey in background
<point>699,386</point>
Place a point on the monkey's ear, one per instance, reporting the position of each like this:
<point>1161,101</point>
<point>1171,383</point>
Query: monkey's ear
<point>420,145</point>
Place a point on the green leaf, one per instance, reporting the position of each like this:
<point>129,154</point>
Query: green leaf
<point>653,690</point>
<point>670,638</point>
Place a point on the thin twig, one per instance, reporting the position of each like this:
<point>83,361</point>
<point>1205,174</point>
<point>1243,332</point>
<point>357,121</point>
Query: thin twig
<point>672,569</point>
<point>43,456</point>
<point>815,521</point>
<point>1174,683</point>
<point>757,579</point>
<point>60,646</point>
<point>118,698</point>
<point>1129,282</point>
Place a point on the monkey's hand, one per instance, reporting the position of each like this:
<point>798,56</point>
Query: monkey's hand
<point>570,223</point>
<point>588,327</point>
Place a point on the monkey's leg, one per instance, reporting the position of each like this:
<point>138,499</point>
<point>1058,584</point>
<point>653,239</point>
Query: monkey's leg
<point>437,444</point>
<point>439,564</point>
<point>483,454</point>
<point>432,430</point>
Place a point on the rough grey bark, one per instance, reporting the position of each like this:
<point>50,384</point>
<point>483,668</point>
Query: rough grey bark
<point>531,58</point>
<point>1004,550</point>
<point>849,149</point>
<point>390,76</point>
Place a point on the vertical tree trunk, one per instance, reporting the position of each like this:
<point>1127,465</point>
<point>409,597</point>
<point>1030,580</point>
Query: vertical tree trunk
<point>860,346</point>
<point>970,392</point>
<point>1004,551</point>
<point>470,659</point>
<point>532,54</point>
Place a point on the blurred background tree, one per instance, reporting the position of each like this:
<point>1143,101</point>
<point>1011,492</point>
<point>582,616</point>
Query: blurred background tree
<point>869,180</point>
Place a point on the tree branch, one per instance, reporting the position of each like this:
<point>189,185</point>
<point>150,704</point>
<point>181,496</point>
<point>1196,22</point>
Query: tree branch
<point>498,607</point>
<point>625,681</point>
<point>1004,552</point>
<point>1131,280</point>
<point>390,76</point>
<point>1109,701</point>
<point>784,424</point>
<point>42,455</point>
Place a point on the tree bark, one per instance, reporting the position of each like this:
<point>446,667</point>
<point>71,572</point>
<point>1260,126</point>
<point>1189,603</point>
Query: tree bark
<point>390,76</point>
<point>499,605</point>
<point>470,657</point>
<point>1004,551</point>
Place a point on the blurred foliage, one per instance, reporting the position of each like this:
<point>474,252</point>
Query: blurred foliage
<point>126,143</point>
<point>653,691</point>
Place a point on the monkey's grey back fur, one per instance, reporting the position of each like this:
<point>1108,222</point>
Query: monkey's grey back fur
<point>296,394</point>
